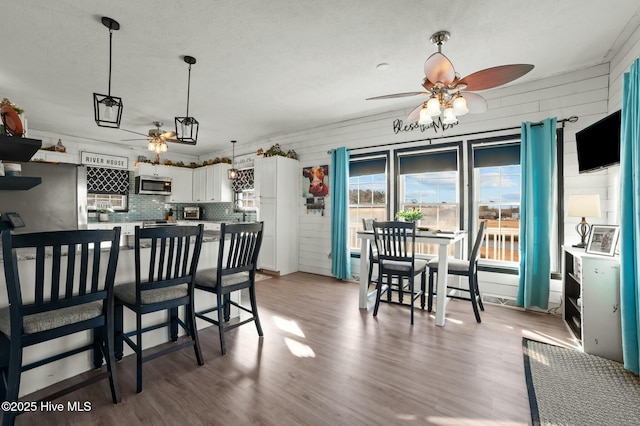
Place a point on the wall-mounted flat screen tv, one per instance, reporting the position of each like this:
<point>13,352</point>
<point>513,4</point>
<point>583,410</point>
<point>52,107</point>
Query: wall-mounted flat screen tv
<point>599,144</point>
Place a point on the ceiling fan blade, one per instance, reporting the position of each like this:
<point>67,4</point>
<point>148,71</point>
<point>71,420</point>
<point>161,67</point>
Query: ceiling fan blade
<point>439,68</point>
<point>166,135</point>
<point>496,76</point>
<point>171,140</point>
<point>476,103</point>
<point>398,95</point>
<point>128,140</point>
<point>414,115</point>
<point>136,133</point>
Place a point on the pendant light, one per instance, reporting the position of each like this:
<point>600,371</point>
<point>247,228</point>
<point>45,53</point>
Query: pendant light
<point>106,108</point>
<point>232,173</point>
<point>187,127</point>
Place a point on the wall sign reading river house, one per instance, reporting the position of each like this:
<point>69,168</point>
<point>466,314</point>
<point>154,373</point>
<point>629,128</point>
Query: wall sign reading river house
<point>104,160</point>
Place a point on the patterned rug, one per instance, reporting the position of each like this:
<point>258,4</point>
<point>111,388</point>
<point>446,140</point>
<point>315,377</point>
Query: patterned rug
<point>568,387</point>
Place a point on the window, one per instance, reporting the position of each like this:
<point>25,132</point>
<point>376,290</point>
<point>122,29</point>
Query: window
<point>115,202</point>
<point>496,173</point>
<point>368,192</point>
<point>107,189</point>
<point>429,182</point>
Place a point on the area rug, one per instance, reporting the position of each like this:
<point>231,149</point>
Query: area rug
<point>568,387</point>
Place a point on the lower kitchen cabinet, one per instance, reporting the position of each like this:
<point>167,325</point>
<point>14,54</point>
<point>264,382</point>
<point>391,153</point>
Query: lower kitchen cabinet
<point>591,302</point>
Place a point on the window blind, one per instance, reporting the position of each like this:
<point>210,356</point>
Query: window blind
<point>442,161</point>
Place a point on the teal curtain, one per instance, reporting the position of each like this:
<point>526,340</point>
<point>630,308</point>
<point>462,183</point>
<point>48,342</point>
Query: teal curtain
<point>537,165</point>
<point>630,219</point>
<point>340,256</point>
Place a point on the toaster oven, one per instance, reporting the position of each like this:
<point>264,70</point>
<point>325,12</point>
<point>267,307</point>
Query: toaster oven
<point>192,213</point>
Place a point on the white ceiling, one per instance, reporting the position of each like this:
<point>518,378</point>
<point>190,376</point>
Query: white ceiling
<point>271,67</point>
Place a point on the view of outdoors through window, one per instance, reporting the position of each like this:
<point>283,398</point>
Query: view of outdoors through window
<point>367,199</point>
<point>436,195</point>
<point>498,202</point>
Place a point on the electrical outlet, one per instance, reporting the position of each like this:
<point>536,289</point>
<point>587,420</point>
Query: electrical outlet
<point>226,211</point>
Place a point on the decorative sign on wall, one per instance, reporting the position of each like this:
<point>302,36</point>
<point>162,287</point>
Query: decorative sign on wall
<point>318,179</point>
<point>399,126</point>
<point>104,160</point>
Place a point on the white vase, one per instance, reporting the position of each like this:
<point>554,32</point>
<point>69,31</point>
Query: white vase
<point>104,217</point>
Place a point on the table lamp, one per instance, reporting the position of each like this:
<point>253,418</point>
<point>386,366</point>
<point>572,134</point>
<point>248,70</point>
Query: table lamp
<point>581,205</point>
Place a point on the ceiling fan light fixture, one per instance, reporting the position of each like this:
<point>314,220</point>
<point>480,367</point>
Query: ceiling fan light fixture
<point>460,105</point>
<point>448,116</point>
<point>107,109</point>
<point>425,117</point>
<point>433,106</point>
<point>187,127</point>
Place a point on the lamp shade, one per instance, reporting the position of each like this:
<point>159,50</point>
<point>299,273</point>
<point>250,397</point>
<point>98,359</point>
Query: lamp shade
<point>584,205</point>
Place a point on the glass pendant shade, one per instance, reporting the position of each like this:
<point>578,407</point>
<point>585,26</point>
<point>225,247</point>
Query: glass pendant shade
<point>460,105</point>
<point>232,174</point>
<point>433,106</point>
<point>425,117</point>
<point>448,116</point>
<point>107,109</point>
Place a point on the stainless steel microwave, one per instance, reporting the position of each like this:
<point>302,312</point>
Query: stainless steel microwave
<point>153,185</point>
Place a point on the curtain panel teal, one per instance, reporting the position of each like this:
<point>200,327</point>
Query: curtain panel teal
<point>339,173</point>
<point>629,218</point>
<point>538,166</point>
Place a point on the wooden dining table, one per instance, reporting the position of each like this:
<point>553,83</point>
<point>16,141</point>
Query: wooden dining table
<point>442,239</point>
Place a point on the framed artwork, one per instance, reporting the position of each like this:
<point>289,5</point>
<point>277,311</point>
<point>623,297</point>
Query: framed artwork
<point>315,181</point>
<point>603,239</point>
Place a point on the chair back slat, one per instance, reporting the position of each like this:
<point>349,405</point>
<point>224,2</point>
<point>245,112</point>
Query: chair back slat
<point>395,241</point>
<point>244,241</point>
<point>173,257</point>
<point>59,282</point>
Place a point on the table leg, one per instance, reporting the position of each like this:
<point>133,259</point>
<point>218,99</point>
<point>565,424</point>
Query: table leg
<point>364,273</point>
<point>441,300</point>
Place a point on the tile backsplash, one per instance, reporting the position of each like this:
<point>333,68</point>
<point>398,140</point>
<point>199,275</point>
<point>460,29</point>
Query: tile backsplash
<point>153,207</point>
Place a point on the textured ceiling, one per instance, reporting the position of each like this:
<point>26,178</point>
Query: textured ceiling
<point>271,67</point>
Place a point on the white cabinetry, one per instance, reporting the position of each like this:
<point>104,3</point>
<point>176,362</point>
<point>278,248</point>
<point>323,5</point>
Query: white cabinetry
<point>277,181</point>
<point>148,169</point>
<point>55,157</point>
<point>591,298</point>
<point>181,184</point>
<point>210,184</point>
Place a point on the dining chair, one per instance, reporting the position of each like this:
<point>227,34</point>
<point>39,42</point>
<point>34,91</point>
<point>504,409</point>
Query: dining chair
<point>67,288</point>
<point>395,242</point>
<point>236,270</point>
<point>466,268</point>
<point>165,277</point>
<point>367,225</point>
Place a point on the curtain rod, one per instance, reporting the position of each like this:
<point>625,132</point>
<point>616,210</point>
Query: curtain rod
<point>571,119</point>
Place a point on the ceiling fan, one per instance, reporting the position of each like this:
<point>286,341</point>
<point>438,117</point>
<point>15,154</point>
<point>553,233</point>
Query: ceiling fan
<point>157,139</point>
<point>448,92</point>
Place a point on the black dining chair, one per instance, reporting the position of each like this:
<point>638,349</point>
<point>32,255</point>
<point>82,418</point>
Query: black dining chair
<point>165,278</point>
<point>395,243</point>
<point>67,288</point>
<point>237,259</point>
<point>465,268</point>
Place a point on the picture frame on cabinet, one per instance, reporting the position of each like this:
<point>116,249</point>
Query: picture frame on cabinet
<point>603,239</point>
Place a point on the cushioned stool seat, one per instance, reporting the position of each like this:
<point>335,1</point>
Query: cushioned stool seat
<point>51,319</point>
<point>127,293</point>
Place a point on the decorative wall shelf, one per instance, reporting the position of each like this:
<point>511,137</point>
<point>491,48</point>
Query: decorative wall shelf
<point>15,183</point>
<point>18,149</point>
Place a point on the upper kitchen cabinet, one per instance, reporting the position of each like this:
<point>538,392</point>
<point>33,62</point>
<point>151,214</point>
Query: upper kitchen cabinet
<point>148,169</point>
<point>211,184</point>
<point>277,189</point>
<point>181,184</point>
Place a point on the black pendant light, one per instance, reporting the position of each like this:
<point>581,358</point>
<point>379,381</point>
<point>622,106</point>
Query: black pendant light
<point>187,127</point>
<point>106,108</point>
<point>232,173</point>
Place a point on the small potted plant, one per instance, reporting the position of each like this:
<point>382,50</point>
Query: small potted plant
<point>412,215</point>
<point>103,212</point>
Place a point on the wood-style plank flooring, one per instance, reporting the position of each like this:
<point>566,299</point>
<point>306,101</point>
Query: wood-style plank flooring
<point>323,361</point>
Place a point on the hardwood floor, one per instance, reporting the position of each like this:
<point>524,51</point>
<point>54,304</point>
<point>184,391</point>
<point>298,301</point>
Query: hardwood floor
<point>323,361</point>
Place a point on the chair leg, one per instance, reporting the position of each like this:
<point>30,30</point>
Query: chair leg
<point>254,309</point>
<point>193,330</point>
<point>370,272</point>
<point>378,294</point>
<point>423,279</point>
<point>118,330</point>
<point>474,303</point>
<point>475,281</point>
<point>13,381</point>
<point>220,310</point>
<point>411,282</point>
<point>401,289</point>
<point>173,314</point>
<point>98,339</point>
<point>110,358</point>
<point>430,303</point>
<point>138,350</point>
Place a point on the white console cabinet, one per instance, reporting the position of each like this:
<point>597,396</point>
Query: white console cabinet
<point>591,299</point>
